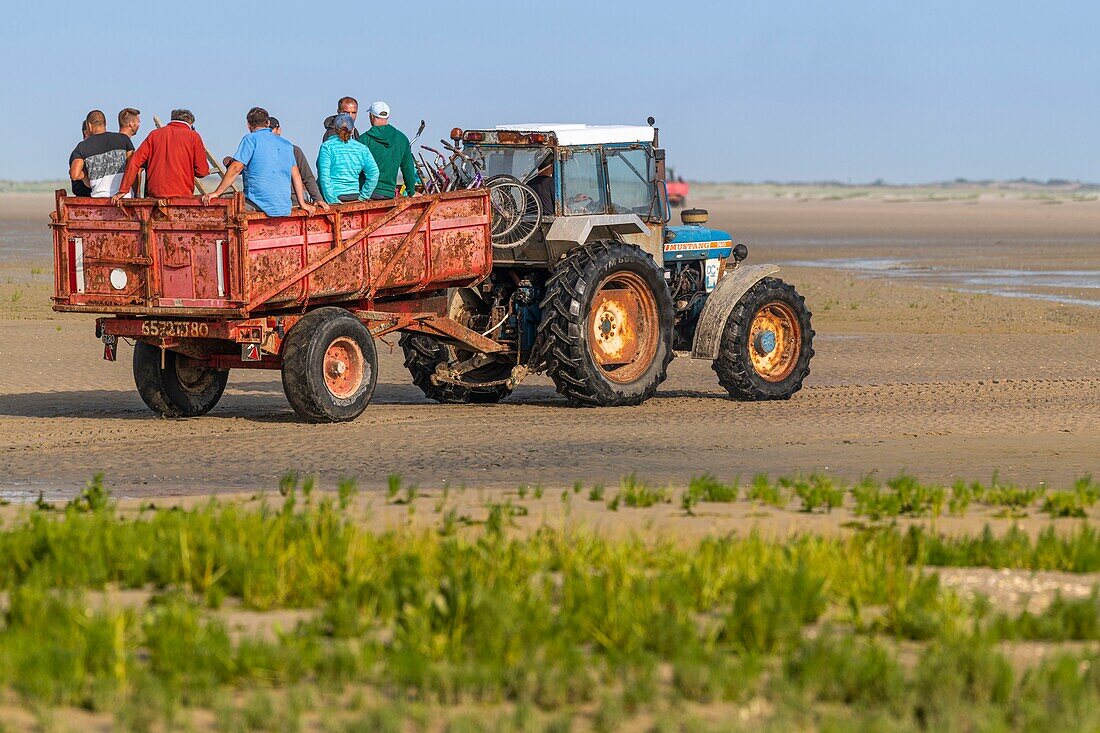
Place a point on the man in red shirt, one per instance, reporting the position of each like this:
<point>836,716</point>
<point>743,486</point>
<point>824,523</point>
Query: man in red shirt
<point>174,156</point>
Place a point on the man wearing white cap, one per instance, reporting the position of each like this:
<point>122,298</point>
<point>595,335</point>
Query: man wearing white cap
<point>392,152</point>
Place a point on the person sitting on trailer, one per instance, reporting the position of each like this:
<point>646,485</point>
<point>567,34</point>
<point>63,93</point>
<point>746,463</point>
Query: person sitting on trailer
<point>309,181</point>
<point>173,156</point>
<point>345,105</point>
<point>129,121</point>
<point>392,152</point>
<point>267,161</point>
<point>78,185</point>
<point>343,162</point>
<point>101,158</point>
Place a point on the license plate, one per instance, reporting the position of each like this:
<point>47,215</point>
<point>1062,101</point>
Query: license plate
<point>175,329</point>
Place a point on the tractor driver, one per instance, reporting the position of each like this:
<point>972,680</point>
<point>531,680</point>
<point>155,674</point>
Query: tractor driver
<point>542,183</point>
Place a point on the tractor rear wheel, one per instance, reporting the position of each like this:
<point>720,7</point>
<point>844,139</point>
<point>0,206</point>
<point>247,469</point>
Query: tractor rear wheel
<point>423,354</point>
<point>606,332</point>
<point>181,388</point>
<point>767,343</point>
<point>330,366</point>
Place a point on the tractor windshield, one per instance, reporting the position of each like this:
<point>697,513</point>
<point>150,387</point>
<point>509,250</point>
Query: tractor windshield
<point>630,178</point>
<point>512,161</point>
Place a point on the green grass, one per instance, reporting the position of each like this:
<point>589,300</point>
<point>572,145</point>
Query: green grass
<point>532,629</point>
<point>707,488</point>
<point>1075,502</point>
<point>1014,501</point>
<point>635,493</point>
<point>902,495</point>
<point>816,492</point>
<point>764,491</point>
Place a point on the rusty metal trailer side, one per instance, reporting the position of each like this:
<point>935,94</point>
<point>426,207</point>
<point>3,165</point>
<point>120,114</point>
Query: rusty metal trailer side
<point>178,258</point>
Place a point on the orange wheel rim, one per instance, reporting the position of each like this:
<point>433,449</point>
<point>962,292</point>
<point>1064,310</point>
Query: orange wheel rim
<point>344,367</point>
<point>623,327</point>
<point>775,341</point>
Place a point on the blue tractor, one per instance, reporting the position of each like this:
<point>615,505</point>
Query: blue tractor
<point>592,285</point>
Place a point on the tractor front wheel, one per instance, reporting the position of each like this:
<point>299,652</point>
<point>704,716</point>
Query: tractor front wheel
<point>767,344</point>
<point>330,366</point>
<point>606,332</point>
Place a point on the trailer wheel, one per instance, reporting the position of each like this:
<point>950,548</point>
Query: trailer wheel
<point>606,332</point>
<point>767,343</point>
<point>330,366</point>
<point>423,354</point>
<point>182,388</point>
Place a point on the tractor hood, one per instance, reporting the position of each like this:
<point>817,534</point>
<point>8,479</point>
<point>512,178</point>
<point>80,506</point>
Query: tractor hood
<point>696,242</point>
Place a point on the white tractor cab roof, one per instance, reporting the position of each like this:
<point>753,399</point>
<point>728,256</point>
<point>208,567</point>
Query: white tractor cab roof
<point>565,134</point>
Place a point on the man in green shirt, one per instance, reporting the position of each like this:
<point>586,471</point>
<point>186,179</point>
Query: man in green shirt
<point>392,152</point>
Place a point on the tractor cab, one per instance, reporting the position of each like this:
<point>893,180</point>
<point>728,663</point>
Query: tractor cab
<point>589,182</point>
<point>593,182</point>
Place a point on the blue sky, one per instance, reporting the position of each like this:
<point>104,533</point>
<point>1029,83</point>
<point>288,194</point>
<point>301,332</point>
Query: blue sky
<point>851,90</point>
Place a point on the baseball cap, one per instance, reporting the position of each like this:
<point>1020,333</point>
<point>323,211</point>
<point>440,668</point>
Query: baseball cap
<point>273,122</point>
<point>343,120</point>
<point>380,109</point>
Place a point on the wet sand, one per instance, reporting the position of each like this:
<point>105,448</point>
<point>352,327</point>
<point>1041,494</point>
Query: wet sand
<point>908,375</point>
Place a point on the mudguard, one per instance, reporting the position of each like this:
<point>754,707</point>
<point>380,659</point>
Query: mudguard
<point>719,305</point>
<point>568,232</point>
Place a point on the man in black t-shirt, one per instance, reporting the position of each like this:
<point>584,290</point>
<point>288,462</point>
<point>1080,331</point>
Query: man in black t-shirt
<point>542,183</point>
<point>101,158</point>
<point>79,187</point>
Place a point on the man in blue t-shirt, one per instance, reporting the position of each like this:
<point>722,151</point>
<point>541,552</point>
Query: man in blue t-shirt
<point>267,161</point>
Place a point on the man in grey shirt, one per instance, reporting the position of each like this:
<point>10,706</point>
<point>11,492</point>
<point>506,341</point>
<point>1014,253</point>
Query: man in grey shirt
<point>309,181</point>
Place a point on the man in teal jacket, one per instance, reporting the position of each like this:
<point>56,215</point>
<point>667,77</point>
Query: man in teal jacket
<point>391,150</point>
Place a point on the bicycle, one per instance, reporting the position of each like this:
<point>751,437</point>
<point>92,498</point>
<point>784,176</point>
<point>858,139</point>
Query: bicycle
<point>517,210</point>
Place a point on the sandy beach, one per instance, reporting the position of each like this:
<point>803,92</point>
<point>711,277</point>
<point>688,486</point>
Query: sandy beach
<point>925,373</point>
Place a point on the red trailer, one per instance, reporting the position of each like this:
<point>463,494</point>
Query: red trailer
<point>205,289</point>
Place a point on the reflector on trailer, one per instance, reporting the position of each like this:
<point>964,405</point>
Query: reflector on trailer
<point>110,347</point>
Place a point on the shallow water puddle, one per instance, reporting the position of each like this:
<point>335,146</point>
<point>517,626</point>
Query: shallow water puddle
<point>1011,283</point>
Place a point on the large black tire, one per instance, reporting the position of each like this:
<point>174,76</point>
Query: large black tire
<point>747,369</point>
<point>570,334</point>
<point>330,366</point>
<point>182,388</point>
<point>423,354</point>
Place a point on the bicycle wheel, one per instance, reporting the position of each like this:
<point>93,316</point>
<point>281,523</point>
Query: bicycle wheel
<point>517,211</point>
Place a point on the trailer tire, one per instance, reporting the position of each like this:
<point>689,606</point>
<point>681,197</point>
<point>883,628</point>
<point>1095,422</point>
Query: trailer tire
<point>571,343</point>
<point>182,388</point>
<point>423,354</point>
<point>776,369</point>
<point>330,366</point>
